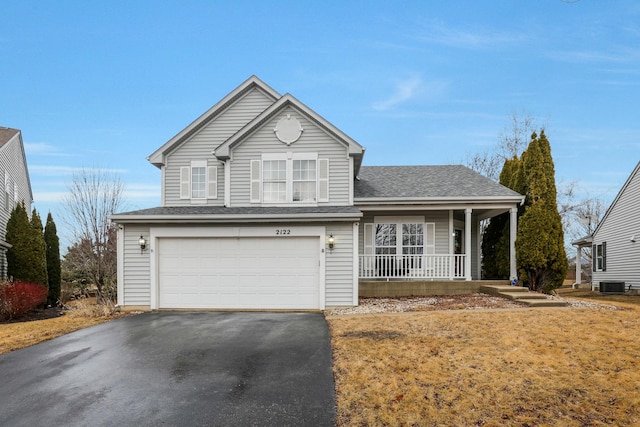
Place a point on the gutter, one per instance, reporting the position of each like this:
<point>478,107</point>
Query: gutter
<point>432,201</point>
<point>198,219</point>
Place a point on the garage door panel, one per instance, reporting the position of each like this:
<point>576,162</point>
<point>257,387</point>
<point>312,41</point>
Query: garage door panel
<point>248,273</point>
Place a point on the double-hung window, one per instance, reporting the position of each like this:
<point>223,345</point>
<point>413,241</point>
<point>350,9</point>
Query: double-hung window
<point>399,236</point>
<point>199,182</point>
<point>398,245</point>
<point>599,256</point>
<point>304,181</point>
<point>289,178</point>
<point>274,181</point>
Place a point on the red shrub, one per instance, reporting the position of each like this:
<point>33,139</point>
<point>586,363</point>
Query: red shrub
<point>19,298</point>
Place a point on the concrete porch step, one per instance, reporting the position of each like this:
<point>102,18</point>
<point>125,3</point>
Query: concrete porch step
<point>522,295</point>
<point>498,289</point>
<point>542,302</point>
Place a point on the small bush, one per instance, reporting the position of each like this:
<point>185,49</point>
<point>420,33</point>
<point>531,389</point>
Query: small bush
<point>87,307</point>
<point>19,298</point>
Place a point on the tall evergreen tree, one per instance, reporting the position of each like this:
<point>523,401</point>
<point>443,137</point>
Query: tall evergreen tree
<point>39,250</point>
<point>540,250</point>
<point>54,272</point>
<point>18,236</point>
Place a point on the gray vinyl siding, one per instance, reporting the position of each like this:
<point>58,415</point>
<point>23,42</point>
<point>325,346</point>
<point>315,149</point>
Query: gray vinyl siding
<point>622,222</point>
<point>201,145</point>
<point>339,267</point>
<point>136,274</point>
<point>439,218</point>
<point>12,161</point>
<point>313,140</point>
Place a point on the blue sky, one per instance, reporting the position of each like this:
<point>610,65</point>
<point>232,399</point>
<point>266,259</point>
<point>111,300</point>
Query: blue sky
<point>104,84</point>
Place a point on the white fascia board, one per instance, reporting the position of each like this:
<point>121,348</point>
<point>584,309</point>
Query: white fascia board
<point>435,207</point>
<point>157,158</point>
<point>439,200</point>
<point>191,219</point>
<point>635,171</point>
<point>223,151</point>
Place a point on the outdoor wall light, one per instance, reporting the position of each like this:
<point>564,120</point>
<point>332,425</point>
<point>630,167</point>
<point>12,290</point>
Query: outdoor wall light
<point>331,241</point>
<point>142,243</point>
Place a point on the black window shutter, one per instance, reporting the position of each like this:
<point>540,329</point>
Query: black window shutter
<point>594,258</point>
<point>604,256</point>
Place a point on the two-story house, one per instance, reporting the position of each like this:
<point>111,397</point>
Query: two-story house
<point>266,205</point>
<point>15,185</point>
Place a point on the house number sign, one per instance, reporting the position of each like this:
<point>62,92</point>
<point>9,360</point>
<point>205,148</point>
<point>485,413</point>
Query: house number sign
<point>283,231</point>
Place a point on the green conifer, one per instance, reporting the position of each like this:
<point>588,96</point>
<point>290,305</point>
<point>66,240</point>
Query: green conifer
<point>53,260</point>
<point>540,250</point>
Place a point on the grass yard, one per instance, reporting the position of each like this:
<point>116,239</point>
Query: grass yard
<point>20,334</point>
<point>505,367</point>
<point>14,336</point>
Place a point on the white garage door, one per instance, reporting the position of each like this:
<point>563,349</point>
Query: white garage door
<point>239,273</point>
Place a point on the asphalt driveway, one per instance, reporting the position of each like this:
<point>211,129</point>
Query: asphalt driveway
<point>176,369</point>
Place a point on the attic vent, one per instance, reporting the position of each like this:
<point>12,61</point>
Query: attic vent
<point>288,129</point>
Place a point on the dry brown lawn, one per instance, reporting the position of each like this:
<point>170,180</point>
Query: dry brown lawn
<point>20,334</point>
<point>504,367</point>
<point>14,336</point>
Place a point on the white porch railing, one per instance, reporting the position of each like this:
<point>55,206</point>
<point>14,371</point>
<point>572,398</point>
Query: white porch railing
<point>412,266</point>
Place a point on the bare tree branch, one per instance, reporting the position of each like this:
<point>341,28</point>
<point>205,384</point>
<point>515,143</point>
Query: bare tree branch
<point>94,195</point>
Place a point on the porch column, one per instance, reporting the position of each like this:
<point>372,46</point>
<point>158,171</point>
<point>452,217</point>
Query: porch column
<point>513,231</point>
<point>467,244</point>
<point>578,265</point>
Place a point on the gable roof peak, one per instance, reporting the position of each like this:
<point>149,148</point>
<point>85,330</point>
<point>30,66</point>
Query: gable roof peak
<point>223,151</point>
<point>636,171</point>
<point>6,134</point>
<point>157,158</point>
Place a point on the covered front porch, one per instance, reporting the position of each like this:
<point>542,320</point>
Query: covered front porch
<point>421,243</point>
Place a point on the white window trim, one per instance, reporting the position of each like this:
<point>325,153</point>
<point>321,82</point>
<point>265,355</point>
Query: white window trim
<point>210,179</point>
<point>429,227</point>
<point>600,261</point>
<point>198,164</point>
<point>289,157</point>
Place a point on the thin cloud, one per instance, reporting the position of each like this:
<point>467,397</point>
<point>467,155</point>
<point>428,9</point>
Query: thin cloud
<point>410,89</point>
<point>588,56</point>
<point>142,191</point>
<point>65,170</point>
<point>438,33</point>
<point>42,149</point>
<point>49,196</point>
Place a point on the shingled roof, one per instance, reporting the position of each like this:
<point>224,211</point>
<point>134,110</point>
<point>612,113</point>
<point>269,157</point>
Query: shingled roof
<point>427,182</point>
<point>6,134</point>
<point>214,213</point>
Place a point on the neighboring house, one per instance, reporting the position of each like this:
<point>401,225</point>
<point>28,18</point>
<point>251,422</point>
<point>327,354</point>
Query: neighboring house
<point>615,243</point>
<point>266,205</point>
<point>15,185</point>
